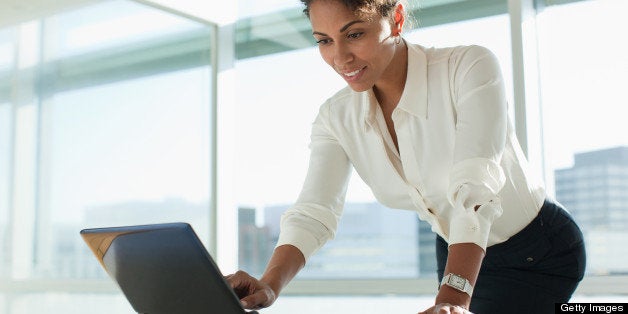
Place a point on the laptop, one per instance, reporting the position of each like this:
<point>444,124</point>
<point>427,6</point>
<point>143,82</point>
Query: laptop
<point>163,269</point>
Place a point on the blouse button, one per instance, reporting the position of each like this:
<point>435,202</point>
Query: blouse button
<point>530,259</point>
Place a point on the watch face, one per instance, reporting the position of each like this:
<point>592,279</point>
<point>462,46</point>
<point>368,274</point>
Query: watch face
<point>457,282</point>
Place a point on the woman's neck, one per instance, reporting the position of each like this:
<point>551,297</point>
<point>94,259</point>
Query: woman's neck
<point>389,88</point>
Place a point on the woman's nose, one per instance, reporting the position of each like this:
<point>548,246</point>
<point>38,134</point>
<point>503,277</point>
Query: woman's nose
<point>342,55</point>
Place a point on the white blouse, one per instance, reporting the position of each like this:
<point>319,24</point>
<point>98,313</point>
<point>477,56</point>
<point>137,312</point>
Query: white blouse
<point>457,149</point>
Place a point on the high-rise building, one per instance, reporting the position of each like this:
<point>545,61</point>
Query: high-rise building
<point>595,191</point>
<point>371,241</point>
<point>255,244</point>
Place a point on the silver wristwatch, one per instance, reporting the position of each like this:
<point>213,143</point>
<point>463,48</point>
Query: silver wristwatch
<point>458,282</point>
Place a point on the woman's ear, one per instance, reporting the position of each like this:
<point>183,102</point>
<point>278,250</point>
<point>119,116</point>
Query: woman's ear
<point>399,19</point>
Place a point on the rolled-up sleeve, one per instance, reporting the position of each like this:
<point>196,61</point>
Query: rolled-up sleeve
<point>314,218</point>
<point>481,121</point>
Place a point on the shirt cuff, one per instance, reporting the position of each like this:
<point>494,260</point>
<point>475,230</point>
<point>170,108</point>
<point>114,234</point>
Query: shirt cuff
<point>470,226</point>
<point>473,182</point>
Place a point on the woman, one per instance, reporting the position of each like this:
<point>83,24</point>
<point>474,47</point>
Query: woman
<point>427,130</point>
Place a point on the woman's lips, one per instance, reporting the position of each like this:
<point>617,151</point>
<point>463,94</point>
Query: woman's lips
<point>354,75</point>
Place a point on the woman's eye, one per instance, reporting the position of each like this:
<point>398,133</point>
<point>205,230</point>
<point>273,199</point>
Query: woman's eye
<point>355,35</point>
<point>322,41</point>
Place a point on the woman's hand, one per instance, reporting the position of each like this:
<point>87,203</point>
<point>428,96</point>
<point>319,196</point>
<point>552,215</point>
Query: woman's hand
<point>253,293</point>
<point>446,308</point>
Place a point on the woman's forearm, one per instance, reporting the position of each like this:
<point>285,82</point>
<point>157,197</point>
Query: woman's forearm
<point>464,259</point>
<point>284,264</point>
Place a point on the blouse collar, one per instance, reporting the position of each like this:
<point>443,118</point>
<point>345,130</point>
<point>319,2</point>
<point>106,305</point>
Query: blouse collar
<point>414,97</point>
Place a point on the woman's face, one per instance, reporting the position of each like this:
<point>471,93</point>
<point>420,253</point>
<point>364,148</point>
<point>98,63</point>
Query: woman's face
<point>359,49</point>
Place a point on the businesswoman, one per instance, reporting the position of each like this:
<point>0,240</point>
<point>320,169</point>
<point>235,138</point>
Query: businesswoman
<point>427,129</point>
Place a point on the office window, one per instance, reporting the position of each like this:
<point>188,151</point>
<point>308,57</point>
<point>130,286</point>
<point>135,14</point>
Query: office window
<point>104,120</point>
<point>108,123</point>
<point>584,61</point>
<point>126,140</point>
<point>135,153</point>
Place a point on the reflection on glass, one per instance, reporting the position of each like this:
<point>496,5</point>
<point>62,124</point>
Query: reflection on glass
<point>583,68</point>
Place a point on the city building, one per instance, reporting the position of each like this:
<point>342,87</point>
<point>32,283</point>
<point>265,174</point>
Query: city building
<point>255,244</point>
<point>371,241</point>
<point>594,190</point>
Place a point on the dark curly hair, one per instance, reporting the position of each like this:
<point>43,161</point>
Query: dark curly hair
<point>362,8</point>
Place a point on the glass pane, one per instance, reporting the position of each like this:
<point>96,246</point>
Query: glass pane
<point>136,152</point>
<point>5,171</point>
<point>272,156</point>
<point>113,120</point>
<point>112,24</point>
<point>583,68</point>
<point>123,134</point>
<point>249,8</point>
<point>6,49</point>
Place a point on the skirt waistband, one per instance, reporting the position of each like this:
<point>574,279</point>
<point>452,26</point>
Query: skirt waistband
<point>551,218</point>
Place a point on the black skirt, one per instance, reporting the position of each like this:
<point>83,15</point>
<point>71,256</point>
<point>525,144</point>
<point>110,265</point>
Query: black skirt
<point>539,266</point>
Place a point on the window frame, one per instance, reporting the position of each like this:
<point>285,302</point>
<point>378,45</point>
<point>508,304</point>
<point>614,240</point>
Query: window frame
<point>242,44</point>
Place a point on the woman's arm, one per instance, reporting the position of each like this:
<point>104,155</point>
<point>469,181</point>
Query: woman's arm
<point>464,259</point>
<point>476,176</point>
<point>308,224</point>
<point>284,264</point>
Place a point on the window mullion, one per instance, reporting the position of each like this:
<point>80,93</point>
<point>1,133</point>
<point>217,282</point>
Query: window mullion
<point>528,117</point>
